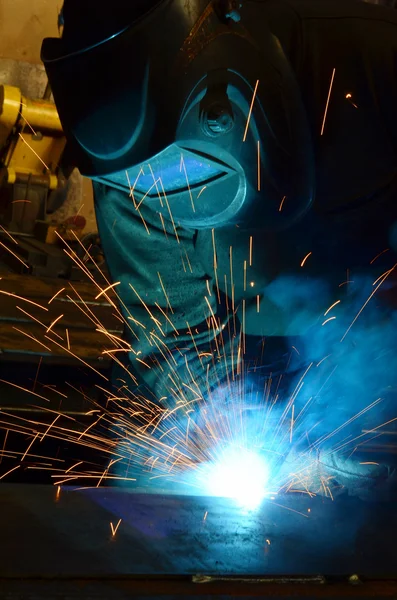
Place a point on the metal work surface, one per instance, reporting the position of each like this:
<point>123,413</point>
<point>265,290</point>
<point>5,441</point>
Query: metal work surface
<point>69,534</point>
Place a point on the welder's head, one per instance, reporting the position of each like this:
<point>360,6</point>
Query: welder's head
<point>193,108</point>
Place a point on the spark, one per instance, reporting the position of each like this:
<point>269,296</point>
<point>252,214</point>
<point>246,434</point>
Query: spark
<point>257,303</point>
<point>14,255</point>
<point>291,509</point>
<point>328,320</point>
<point>378,255</point>
<point>8,472</point>
<point>137,207</point>
<point>24,299</point>
<point>29,447</point>
<point>205,515</point>
<point>26,121</point>
<point>250,111</point>
<point>114,529</point>
<point>165,293</point>
<point>19,387</point>
<point>349,97</point>
<point>331,307</point>
<point>323,359</point>
<point>9,235</point>
<point>305,259</point>
<point>67,338</point>
<point>37,321</point>
<point>56,295</point>
<point>4,446</point>
<point>201,191</point>
<point>109,287</point>
<point>386,275</point>
<point>54,322</point>
<point>34,152</point>
<point>250,251</point>
<point>328,99</point>
<point>187,183</point>
<point>259,165</point>
<point>58,492</point>
<point>280,208</point>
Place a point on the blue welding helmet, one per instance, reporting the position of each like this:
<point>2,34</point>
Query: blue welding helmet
<point>195,114</point>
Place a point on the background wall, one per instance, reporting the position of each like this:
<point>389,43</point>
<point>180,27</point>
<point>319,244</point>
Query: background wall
<point>23,24</point>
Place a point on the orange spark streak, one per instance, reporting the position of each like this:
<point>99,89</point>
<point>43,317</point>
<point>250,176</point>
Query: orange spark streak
<point>114,529</point>
<point>259,166</point>
<point>74,466</point>
<point>23,299</point>
<point>165,293</point>
<point>80,359</point>
<point>10,471</point>
<point>305,259</point>
<point>32,338</point>
<point>331,307</point>
<point>9,235</point>
<point>107,289</point>
<point>49,427</point>
<point>167,318</point>
<point>30,445</point>
<point>251,246</point>
<point>326,107</point>
<point>55,295</point>
<point>34,152</point>
<point>4,446</point>
<point>170,213</point>
<point>14,255</point>
<point>37,321</point>
<point>280,208</point>
<point>141,361</point>
<point>53,323</point>
<point>378,255</point>
<point>366,302</point>
<point>250,111</point>
<point>257,303</point>
<point>24,389</point>
<point>187,183</point>
<point>67,338</point>
<point>147,193</point>
<point>291,509</point>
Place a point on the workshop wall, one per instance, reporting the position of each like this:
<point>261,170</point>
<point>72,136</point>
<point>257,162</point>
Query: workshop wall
<point>23,25</point>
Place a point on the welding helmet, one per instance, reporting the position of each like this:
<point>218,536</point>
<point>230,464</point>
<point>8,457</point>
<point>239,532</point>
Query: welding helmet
<point>185,106</point>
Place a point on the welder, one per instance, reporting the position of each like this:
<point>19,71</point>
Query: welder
<point>232,145</point>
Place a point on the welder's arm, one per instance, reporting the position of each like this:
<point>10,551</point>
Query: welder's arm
<point>164,298</point>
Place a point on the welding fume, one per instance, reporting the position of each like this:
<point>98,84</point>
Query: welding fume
<point>244,162</point>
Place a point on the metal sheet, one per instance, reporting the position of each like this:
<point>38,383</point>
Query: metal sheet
<point>70,535</point>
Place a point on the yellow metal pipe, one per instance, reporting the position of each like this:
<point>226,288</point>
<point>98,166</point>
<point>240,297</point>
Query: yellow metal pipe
<point>10,106</point>
<point>41,115</point>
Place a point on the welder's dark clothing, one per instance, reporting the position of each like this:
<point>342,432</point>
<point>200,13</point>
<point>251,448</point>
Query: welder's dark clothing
<point>356,167</point>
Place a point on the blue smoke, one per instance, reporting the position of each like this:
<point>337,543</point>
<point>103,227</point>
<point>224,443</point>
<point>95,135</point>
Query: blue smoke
<point>352,365</point>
